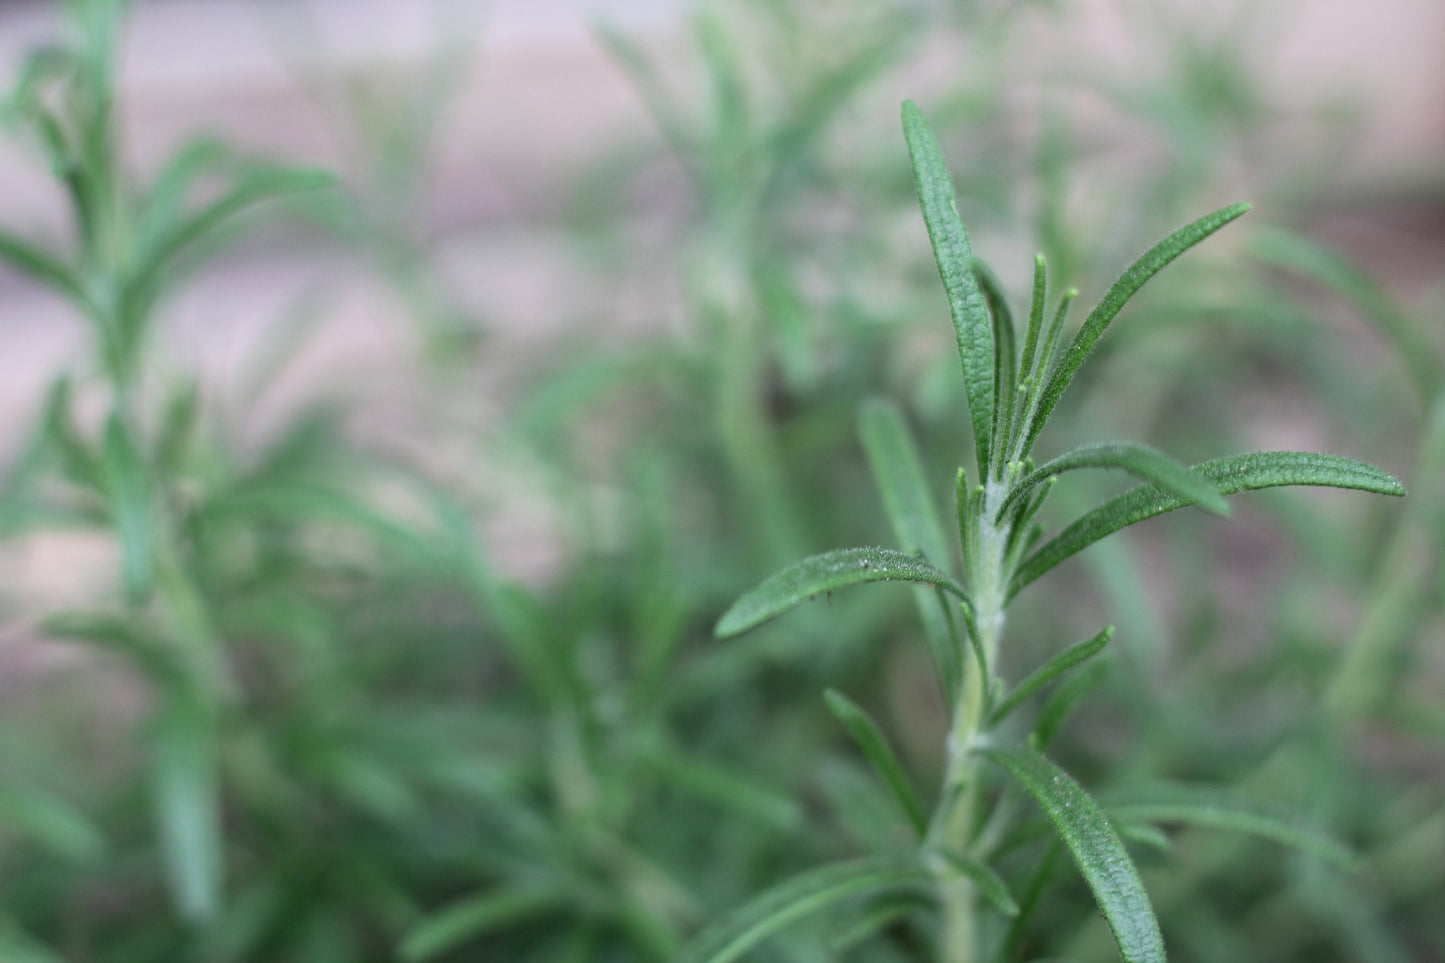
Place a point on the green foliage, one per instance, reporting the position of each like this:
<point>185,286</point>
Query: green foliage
<point>991,521</point>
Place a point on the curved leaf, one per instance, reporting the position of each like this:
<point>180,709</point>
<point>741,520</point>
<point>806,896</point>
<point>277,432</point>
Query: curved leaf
<point>989,883</point>
<point>1144,463</point>
<point>1128,284</point>
<point>1096,848</point>
<point>955,266</point>
<point>824,573</point>
<point>898,473</point>
<point>870,739</point>
<point>1050,670</point>
<point>474,916</point>
<point>40,265</point>
<point>1205,807</point>
<point>808,893</point>
<point>1237,473</point>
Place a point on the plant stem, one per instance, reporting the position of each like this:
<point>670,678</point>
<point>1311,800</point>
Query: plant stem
<point>953,825</point>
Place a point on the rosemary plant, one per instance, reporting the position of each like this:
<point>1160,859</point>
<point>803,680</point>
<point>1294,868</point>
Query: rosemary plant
<point>1013,384</point>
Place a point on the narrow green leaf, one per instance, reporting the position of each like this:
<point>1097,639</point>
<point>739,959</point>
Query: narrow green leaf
<point>1005,362</point>
<point>1128,284</point>
<point>1212,809</point>
<point>1060,704</point>
<point>823,573</point>
<point>255,187</point>
<point>989,883</point>
<point>475,916</point>
<point>898,473</point>
<point>1036,320</point>
<point>1096,848</point>
<point>40,265</point>
<point>815,890</point>
<point>52,822</point>
<point>1294,252</point>
<point>129,497</point>
<point>870,739</point>
<point>955,266</point>
<point>1146,834</point>
<point>187,803</point>
<point>1144,463</point>
<point>1237,473</point>
<point>726,787</point>
<point>873,920</point>
<point>1050,670</point>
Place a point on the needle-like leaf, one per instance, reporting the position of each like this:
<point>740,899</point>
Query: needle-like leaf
<point>989,883</point>
<point>818,574</point>
<point>40,265</point>
<point>1237,473</point>
<point>1208,807</point>
<point>870,739</point>
<point>898,472</point>
<point>815,890</point>
<point>1096,848</point>
<point>1128,284</point>
<point>129,496</point>
<point>1049,671</point>
<point>1144,463</point>
<point>475,916</point>
<point>955,266</point>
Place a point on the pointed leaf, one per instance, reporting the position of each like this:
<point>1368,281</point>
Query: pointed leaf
<point>187,803</point>
<point>475,916</point>
<point>808,893</point>
<point>1144,463</point>
<point>1050,670</point>
<point>898,473</point>
<point>955,266</point>
<point>1060,704</point>
<point>129,498</point>
<point>1096,848</point>
<point>870,739</point>
<point>40,265</point>
<point>1295,252</point>
<point>989,883</point>
<point>1210,808</point>
<point>1005,362</point>
<point>1117,296</point>
<point>1237,473</point>
<point>824,573</point>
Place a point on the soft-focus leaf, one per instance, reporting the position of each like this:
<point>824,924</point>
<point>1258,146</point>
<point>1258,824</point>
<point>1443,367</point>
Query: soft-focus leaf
<point>870,739</point>
<point>1144,463</point>
<point>50,822</point>
<point>989,883</point>
<point>1210,808</point>
<point>955,266</point>
<point>40,265</point>
<point>1060,704</point>
<point>815,890</point>
<point>1096,848</point>
<point>1128,284</point>
<point>1237,473</point>
<point>820,574</point>
<point>1050,670</point>
<point>475,916</point>
<point>129,497</point>
<point>187,799</point>
<point>898,473</point>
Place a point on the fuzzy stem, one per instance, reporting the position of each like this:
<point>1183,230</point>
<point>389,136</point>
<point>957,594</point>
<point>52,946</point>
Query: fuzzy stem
<point>953,827</point>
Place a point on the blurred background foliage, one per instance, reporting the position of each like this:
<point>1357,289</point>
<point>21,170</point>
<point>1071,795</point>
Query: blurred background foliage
<point>393,641</point>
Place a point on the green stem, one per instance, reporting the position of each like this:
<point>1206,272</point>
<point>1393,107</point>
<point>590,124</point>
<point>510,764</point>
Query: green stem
<point>953,826</point>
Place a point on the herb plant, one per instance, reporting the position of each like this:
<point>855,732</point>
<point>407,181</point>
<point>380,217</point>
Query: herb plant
<point>1013,385</point>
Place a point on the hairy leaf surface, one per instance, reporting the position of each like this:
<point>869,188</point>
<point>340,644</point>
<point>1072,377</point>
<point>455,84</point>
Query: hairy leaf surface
<point>819,574</point>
